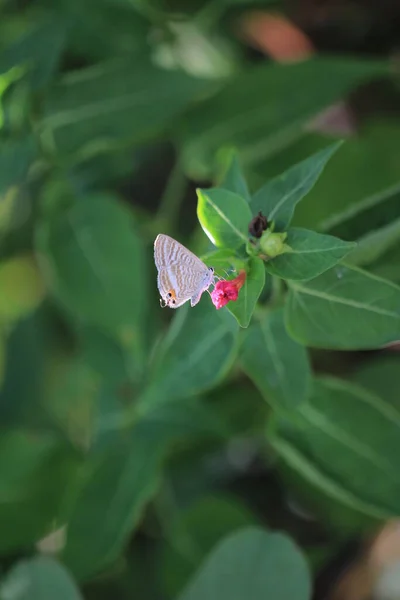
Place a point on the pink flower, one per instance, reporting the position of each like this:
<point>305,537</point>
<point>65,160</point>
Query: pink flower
<point>227,291</point>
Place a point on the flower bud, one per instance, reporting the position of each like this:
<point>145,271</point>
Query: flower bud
<point>257,225</point>
<point>273,244</point>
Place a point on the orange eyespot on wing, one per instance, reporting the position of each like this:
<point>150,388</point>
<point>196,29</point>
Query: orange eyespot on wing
<point>171,294</point>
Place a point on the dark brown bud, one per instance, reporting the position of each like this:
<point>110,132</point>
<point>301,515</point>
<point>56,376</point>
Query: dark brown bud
<point>258,225</point>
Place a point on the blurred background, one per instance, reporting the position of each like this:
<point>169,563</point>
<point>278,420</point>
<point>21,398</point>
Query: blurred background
<point>112,112</point>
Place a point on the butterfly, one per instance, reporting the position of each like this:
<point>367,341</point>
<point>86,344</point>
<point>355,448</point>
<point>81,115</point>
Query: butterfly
<point>181,275</point>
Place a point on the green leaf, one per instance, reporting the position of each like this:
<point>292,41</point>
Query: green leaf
<point>224,217</point>
<point>195,532</point>
<point>22,389</point>
<point>260,565</point>
<point>123,472</point>
<point>40,578</point>
<point>16,158</point>
<point>344,309</point>
<point>99,30</point>
<point>98,108</point>
<point>121,477</point>
<point>221,260</point>
<point>380,376</point>
<point>355,220</point>
<point>32,51</point>
<point>244,306</point>
<point>278,198</point>
<point>260,111</point>
<point>194,356</point>
<point>311,254</point>
<point>356,175</point>
<point>2,358</point>
<point>371,246</point>
<point>22,288</point>
<point>93,261</point>
<point>277,364</point>
<point>72,398</point>
<point>6,79</point>
<point>39,480</point>
<point>356,427</point>
<point>234,180</point>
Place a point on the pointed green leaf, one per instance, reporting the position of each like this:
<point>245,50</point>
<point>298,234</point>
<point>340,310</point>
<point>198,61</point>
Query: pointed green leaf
<point>260,565</point>
<point>345,309</point>
<point>39,578</point>
<point>372,245</point>
<point>244,306</point>
<point>194,355</point>
<point>277,199</point>
<point>311,254</point>
<point>264,109</point>
<point>93,261</point>
<point>114,102</point>
<point>120,480</point>
<point>224,217</point>
<point>234,180</point>
<point>343,438</point>
<point>277,364</point>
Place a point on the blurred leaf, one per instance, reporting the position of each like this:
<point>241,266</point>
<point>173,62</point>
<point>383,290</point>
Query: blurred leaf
<point>71,399</point>
<point>96,109</point>
<point>92,260</point>
<point>22,288</point>
<point>260,565</point>
<point>122,475</point>
<point>277,365</point>
<point>190,46</point>
<point>111,361</point>
<point>380,376</point>
<point>2,358</point>
<point>387,266</point>
<point>244,306</point>
<point>311,254</point>
<point>15,159</point>
<point>239,405</point>
<point>40,578</point>
<point>233,179</point>
<point>21,393</point>
<point>197,351</point>
<point>278,198</point>
<point>195,532</point>
<point>374,244</point>
<point>102,30</point>
<point>344,309</point>
<point>361,432</point>
<point>261,110</point>
<point>6,79</point>
<point>38,482</point>
<point>372,212</point>
<point>120,480</point>
<point>224,217</point>
<point>32,51</point>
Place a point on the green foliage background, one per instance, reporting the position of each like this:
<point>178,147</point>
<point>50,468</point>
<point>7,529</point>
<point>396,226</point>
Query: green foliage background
<point>155,454</point>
